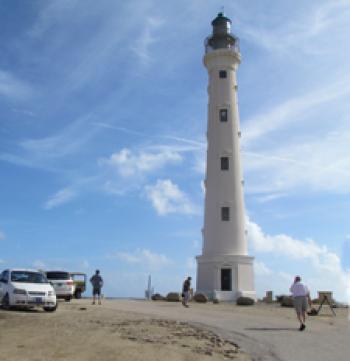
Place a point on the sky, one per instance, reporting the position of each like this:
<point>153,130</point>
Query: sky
<point>102,139</point>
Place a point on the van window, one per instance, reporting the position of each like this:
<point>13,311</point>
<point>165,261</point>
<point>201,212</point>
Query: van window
<point>58,275</point>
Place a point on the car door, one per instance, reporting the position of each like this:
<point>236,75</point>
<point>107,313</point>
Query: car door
<point>3,283</point>
<point>1,286</point>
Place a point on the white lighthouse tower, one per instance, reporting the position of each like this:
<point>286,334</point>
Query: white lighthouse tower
<point>224,270</point>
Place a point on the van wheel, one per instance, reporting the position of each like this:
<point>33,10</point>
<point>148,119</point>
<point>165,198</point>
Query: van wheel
<point>51,309</point>
<point>5,302</point>
<point>67,299</point>
<point>78,294</point>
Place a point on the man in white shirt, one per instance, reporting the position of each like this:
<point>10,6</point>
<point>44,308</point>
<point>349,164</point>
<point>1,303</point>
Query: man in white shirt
<point>301,297</point>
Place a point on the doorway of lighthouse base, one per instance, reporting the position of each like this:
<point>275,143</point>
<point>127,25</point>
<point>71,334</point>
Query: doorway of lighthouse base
<point>226,279</point>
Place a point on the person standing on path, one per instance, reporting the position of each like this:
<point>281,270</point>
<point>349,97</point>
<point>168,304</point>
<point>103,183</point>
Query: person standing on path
<point>301,298</point>
<point>186,291</point>
<point>97,284</point>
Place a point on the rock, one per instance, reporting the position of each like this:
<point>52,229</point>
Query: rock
<point>216,300</point>
<point>279,298</point>
<point>173,297</point>
<point>312,312</point>
<point>200,298</point>
<point>287,301</point>
<point>157,297</point>
<point>245,301</point>
<point>269,297</point>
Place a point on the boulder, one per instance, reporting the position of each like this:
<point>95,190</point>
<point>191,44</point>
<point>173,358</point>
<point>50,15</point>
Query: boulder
<point>216,300</point>
<point>287,301</point>
<point>269,297</point>
<point>200,298</point>
<point>173,297</point>
<point>245,301</point>
<point>157,297</point>
<point>279,298</point>
<point>312,312</point>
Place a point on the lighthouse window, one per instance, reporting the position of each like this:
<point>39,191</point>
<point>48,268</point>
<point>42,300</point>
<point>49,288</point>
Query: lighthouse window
<point>225,163</point>
<point>225,213</point>
<point>222,74</point>
<point>223,115</point>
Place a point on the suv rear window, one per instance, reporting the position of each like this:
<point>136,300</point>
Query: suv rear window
<point>58,275</point>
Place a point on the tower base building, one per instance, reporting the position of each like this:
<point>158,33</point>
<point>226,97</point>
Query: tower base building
<point>226,277</point>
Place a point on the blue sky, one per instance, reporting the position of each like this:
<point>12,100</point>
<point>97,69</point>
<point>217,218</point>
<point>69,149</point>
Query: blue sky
<point>102,138</point>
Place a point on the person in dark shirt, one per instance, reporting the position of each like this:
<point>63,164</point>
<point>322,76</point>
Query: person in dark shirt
<point>186,291</point>
<point>97,284</point>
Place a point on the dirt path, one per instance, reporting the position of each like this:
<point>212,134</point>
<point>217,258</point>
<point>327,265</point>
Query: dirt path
<point>142,330</point>
<point>79,331</point>
<point>266,332</point>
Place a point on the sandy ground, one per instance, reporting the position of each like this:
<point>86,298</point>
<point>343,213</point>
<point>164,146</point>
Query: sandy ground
<point>142,330</point>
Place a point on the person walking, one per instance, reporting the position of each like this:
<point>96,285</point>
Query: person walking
<point>97,284</point>
<point>186,291</point>
<point>301,298</point>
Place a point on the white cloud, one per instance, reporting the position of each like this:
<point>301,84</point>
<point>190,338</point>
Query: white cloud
<point>283,244</point>
<point>2,261</point>
<point>166,197</point>
<point>65,142</point>
<point>320,164</point>
<point>146,258</point>
<point>146,39</point>
<point>38,264</point>
<point>119,129</point>
<point>261,269</point>
<point>191,263</point>
<point>129,164</point>
<point>200,163</point>
<point>293,110</point>
<point>45,151</point>
<point>26,112</point>
<point>270,197</point>
<point>2,235</point>
<point>346,254</point>
<point>85,264</point>
<point>285,277</point>
<point>196,244</point>
<point>49,15</point>
<point>12,87</point>
<point>61,197</point>
<point>304,33</point>
<point>324,266</point>
<point>134,167</point>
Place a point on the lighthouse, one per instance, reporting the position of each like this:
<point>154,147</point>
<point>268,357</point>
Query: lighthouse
<point>224,270</point>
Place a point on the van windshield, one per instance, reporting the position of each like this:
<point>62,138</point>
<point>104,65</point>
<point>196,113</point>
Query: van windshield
<point>28,277</point>
<point>58,275</point>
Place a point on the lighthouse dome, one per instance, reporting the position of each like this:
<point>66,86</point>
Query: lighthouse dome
<point>221,37</point>
<point>221,25</point>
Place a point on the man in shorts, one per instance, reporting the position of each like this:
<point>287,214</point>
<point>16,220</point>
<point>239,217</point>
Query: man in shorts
<point>301,298</point>
<point>97,283</point>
